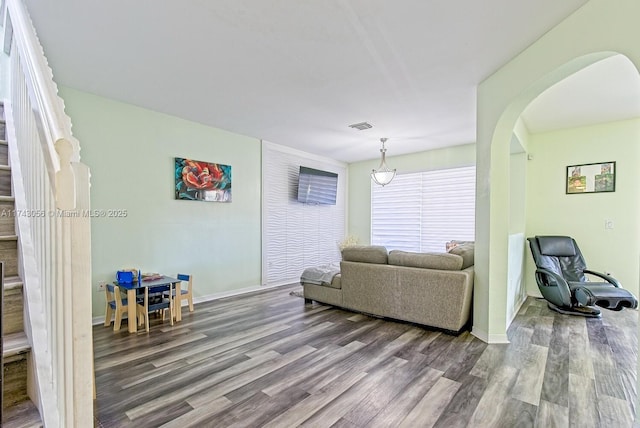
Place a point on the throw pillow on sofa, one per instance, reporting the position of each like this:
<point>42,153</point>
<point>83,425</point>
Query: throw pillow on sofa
<point>467,252</point>
<point>449,245</point>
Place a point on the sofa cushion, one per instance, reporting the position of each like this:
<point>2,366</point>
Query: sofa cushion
<point>442,261</point>
<point>467,252</point>
<point>365,254</point>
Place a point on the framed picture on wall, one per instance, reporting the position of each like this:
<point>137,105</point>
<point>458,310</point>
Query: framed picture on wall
<point>591,178</point>
<point>202,181</point>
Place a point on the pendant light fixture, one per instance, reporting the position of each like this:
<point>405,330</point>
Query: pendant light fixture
<point>383,175</point>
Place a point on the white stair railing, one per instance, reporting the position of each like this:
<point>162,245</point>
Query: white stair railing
<point>51,189</point>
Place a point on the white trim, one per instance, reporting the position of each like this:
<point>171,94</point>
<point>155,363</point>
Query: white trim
<point>518,306</point>
<point>491,339</point>
<point>296,152</point>
<point>482,335</point>
<point>216,296</point>
<point>281,283</point>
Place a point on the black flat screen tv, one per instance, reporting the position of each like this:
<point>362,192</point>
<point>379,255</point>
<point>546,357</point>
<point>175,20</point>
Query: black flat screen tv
<point>317,187</point>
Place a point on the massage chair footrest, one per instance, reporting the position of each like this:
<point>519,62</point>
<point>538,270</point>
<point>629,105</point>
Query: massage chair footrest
<point>604,295</point>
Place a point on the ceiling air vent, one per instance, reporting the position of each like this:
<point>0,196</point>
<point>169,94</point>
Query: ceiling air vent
<point>361,126</point>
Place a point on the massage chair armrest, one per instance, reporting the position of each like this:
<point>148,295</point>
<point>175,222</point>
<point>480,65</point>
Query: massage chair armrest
<point>604,276</point>
<point>556,281</point>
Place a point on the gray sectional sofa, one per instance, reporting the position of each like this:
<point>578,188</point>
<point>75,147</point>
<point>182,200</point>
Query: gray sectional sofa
<point>433,289</point>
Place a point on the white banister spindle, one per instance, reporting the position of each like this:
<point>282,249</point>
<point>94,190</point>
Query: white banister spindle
<point>50,181</point>
<point>66,192</point>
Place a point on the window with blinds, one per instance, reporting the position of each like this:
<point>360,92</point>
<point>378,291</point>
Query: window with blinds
<point>422,211</point>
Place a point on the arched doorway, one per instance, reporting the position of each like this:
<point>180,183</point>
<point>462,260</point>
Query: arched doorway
<point>493,201</point>
<point>599,26</point>
<point>592,116</point>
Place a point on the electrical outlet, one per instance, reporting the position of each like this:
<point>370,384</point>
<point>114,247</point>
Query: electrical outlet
<point>101,285</point>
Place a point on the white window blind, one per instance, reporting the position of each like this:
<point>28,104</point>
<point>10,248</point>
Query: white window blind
<point>422,211</point>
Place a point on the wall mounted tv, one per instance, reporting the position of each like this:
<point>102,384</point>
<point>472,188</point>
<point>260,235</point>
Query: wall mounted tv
<point>317,187</point>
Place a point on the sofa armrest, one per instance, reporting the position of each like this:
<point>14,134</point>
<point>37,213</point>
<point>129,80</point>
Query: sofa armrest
<point>439,298</point>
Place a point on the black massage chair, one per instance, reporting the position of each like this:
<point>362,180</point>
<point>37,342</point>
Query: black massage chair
<point>561,277</point>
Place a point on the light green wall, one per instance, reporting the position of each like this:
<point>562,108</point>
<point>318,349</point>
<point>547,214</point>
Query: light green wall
<point>516,289</point>
<point>359,209</point>
<point>596,31</point>
<point>130,153</point>
<point>552,212</point>
<point>517,192</point>
<point>518,179</point>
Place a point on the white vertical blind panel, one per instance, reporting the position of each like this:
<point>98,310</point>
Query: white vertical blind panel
<point>448,207</point>
<point>396,213</point>
<point>297,235</point>
<point>422,211</point>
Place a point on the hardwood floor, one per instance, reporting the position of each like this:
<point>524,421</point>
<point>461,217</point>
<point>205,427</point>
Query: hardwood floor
<point>267,359</point>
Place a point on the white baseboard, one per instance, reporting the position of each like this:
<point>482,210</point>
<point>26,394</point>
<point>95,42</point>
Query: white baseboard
<point>231,293</point>
<point>490,338</point>
<point>215,296</point>
<point>518,306</point>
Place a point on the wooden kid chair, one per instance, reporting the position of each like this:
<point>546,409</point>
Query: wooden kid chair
<point>115,303</point>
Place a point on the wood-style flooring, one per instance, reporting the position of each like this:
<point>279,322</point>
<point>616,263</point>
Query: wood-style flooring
<point>267,359</point>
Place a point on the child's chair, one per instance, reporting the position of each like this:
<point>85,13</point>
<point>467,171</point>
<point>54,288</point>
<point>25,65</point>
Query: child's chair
<point>115,303</point>
<point>184,294</point>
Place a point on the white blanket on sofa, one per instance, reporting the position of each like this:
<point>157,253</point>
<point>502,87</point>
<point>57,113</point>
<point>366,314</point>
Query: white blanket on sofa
<point>320,275</point>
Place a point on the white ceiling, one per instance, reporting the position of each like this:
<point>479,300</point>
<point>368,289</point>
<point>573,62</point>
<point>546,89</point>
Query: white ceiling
<point>605,91</point>
<point>297,72</point>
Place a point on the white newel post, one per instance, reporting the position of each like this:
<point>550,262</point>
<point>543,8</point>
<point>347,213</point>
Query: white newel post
<point>72,199</point>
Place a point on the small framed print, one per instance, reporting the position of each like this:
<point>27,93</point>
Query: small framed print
<point>591,178</point>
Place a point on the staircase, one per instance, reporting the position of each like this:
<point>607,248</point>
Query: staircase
<point>17,409</point>
<point>49,280</point>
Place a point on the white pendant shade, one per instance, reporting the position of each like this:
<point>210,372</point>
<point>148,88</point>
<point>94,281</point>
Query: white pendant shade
<point>383,175</point>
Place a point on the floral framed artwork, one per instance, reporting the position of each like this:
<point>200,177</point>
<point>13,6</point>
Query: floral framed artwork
<point>591,178</point>
<point>202,181</point>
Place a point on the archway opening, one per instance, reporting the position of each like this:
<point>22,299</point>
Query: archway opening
<point>495,195</point>
<point>589,117</point>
